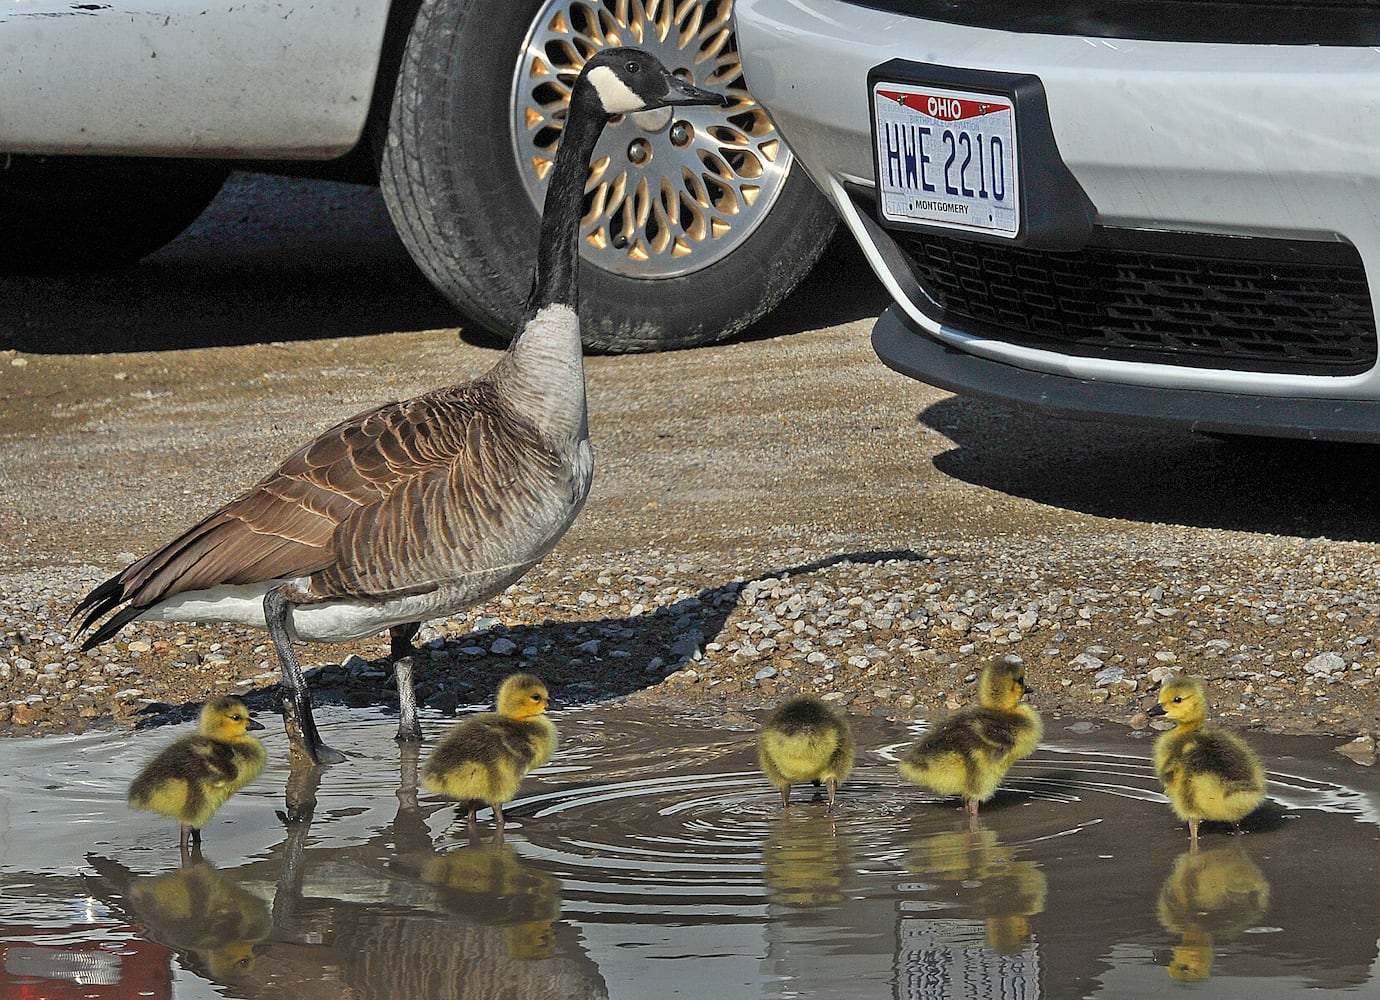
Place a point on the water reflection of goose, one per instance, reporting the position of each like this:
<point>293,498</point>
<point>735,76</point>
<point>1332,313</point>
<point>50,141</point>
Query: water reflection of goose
<point>805,863</point>
<point>1209,895</point>
<point>476,923</point>
<point>489,884</point>
<point>195,910</point>
<point>975,875</point>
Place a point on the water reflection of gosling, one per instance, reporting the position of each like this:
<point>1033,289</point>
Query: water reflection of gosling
<point>978,874</point>
<point>196,775</point>
<point>1209,895</point>
<point>805,740</point>
<point>970,752</point>
<point>1207,773</point>
<point>483,759</point>
<point>490,884</point>
<point>805,863</point>
<point>195,911</point>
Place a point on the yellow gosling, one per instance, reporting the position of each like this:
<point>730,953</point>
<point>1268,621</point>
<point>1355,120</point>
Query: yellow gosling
<point>1207,773</point>
<point>197,774</point>
<point>970,752</point>
<point>806,740</point>
<point>483,759</point>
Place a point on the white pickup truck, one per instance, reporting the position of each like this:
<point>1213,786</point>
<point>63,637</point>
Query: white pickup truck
<point>119,120</point>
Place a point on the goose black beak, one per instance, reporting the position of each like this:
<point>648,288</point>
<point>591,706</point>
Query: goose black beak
<point>1155,709</point>
<point>255,724</point>
<point>682,93</point>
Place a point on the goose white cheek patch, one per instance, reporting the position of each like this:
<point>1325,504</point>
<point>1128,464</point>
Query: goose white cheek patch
<point>615,95</point>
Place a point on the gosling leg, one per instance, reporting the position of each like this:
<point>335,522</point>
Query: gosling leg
<point>297,718</point>
<point>970,806</point>
<point>403,654</point>
<point>1193,836</point>
<point>832,785</point>
<point>785,796</point>
<point>189,843</point>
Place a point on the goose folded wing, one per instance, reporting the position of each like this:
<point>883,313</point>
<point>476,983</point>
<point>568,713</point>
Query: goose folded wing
<point>284,527</point>
<point>480,490</point>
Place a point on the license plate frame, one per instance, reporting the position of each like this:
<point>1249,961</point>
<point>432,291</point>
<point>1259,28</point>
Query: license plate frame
<point>947,157</point>
<point>1049,210</point>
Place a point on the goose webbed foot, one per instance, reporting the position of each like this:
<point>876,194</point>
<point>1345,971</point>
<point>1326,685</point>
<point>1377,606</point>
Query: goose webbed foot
<point>299,794</point>
<point>305,746</point>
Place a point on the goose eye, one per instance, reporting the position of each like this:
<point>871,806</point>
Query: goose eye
<point>632,66</point>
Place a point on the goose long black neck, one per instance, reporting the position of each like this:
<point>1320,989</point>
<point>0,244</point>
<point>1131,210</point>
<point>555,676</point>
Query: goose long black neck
<point>558,253</point>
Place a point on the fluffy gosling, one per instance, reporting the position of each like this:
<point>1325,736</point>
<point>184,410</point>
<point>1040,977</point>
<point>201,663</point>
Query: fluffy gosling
<point>805,740</point>
<point>969,753</point>
<point>483,759</point>
<point>1207,773</point>
<point>196,775</point>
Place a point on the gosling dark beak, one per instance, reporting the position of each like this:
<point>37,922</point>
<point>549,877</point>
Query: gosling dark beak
<point>255,724</point>
<point>681,93</point>
<point>1155,709</point>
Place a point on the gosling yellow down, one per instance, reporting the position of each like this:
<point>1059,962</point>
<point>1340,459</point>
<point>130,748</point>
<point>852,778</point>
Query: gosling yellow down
<point>805,740</point>
<point>197,774</point>
<point>1207,773</point>
<point>483,759</point>
<point>970,752</point>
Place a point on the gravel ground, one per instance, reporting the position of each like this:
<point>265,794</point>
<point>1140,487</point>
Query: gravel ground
<point>770,517</point>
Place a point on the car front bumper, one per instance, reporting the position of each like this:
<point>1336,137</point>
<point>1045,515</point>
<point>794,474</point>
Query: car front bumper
<point>1279,142</point>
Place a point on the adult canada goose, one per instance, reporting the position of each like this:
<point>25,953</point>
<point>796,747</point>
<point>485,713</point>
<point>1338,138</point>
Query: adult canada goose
<point>805,740</point>
<point>970,752</point>
<point>196,775</point>
<point>416,509</point>
<point>1207,773</point>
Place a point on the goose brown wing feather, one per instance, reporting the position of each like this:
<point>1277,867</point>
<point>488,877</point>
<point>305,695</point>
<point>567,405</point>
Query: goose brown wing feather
<point>371,489</point>
<point>442,524</point>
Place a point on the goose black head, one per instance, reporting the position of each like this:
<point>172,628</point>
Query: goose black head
<point>628,80</point>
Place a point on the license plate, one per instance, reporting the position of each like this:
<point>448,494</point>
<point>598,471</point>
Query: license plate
<point>946,157</point>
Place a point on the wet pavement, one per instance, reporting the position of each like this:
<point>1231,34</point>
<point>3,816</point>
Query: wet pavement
<point>650,858</point>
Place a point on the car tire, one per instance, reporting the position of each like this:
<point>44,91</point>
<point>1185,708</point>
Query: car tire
<point>731,230</point>
<point>83,213</point>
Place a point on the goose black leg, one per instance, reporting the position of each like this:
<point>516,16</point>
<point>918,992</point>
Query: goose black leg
<point>403,654</point>
<point>297,717</point>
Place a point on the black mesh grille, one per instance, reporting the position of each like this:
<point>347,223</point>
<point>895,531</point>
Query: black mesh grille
<point>1167,298</point>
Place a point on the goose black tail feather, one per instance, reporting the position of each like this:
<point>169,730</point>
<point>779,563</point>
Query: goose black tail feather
<point>111,627</point>
<point>102,599</point>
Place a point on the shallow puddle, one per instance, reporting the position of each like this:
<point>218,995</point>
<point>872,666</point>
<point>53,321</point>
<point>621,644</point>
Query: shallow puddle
<point>650,859</point>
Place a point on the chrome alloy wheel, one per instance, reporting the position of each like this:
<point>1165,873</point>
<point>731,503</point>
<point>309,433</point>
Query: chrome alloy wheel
<point>670,191</point>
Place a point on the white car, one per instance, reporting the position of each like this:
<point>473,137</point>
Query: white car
<point>1142,210</point>
<point>119,120</point>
